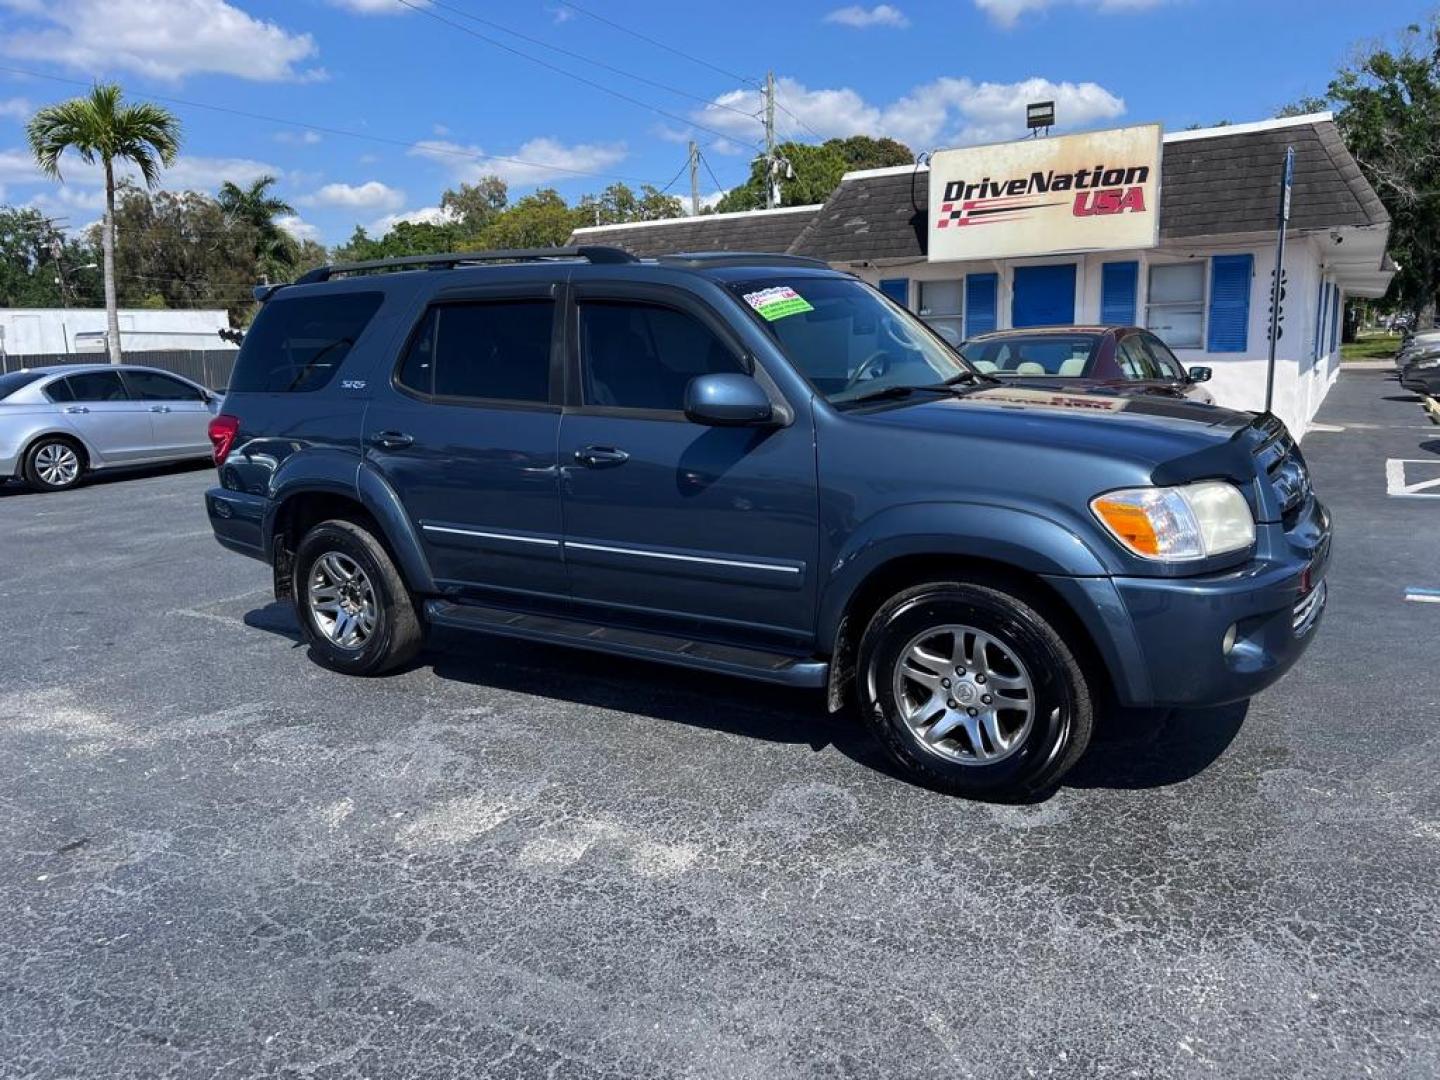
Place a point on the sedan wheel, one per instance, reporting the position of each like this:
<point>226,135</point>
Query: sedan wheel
<point>53,465</point>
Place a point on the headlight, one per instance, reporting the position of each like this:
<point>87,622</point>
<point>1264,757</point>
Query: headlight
<point>1176,524</point>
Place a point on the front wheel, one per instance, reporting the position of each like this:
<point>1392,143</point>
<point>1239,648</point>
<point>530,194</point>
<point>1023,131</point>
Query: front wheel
<point>352,604</point>
<point>972,691</point>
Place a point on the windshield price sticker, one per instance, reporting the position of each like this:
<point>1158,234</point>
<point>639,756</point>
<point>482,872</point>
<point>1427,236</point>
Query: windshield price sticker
<point>778,302</point>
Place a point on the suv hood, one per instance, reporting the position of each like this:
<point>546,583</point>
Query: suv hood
<point>1149,429</point>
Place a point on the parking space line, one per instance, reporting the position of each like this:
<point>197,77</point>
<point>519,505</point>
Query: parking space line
<point>1398,486</point>
<point>1422,596</point>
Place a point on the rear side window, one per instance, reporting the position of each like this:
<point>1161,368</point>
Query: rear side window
<point>299,344</point>
<point>639,356</point>
<point>15,380</point>
<point>152,386</point>
<point>96,386</point>
<point>489,352</point>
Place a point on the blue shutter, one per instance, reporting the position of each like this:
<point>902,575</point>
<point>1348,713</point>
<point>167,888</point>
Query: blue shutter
<point>1334,317</point>
<point>897,289</point>
<point>982,305</point>
<point>1043,296</point>
<point>1230,277</point>
<point>1117,293</point>
<point>1321,302</point>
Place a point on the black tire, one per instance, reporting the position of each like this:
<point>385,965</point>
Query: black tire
<point>1062,709</point>
<point>41,474</point>
<point>396,633</point>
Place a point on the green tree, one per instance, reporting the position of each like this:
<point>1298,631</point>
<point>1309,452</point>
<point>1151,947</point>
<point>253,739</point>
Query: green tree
<point>404,238</point>
<point>473,206</point>
<point>184,250</point>
<point>1389,114</point>
<point>618,204</point>
<point>40,266</point>
<point>255,206</point>
<point>1304,107</point>
<point>817,170</point>
<point>100,127</point>
<point>540,219</point>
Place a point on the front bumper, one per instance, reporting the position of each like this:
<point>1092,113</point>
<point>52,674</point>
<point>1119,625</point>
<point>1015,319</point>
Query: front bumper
<point>1164,639</point>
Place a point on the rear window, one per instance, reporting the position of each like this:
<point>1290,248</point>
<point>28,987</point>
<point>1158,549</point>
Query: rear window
<point>15,380</point>
<point>297,345</point>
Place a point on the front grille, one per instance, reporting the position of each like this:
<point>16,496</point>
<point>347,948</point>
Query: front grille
<point>1308,609</point>
<point>1283,466</point>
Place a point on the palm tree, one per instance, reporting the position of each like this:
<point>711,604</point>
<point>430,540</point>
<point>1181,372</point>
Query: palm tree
<point>99,127</point>
<point>275,249</point>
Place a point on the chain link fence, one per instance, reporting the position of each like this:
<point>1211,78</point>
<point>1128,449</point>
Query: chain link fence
<point>208,367</point>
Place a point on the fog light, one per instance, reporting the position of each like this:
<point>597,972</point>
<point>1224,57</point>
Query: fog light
<point>1228,642</point>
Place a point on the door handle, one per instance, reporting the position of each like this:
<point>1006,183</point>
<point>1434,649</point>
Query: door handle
<point>76,409</point>
<point>159,408</point>
<point>601,457</point>
<point>392,440</point>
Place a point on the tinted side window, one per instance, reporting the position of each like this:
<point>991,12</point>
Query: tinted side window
<point>1165,360</point>
<point>639,356</point>
<point>96,386</point>
<point>59,391</point>
<point>491,351</point>
<point>150,386</point>
<point>1134,361</point>
<point>298,344</point>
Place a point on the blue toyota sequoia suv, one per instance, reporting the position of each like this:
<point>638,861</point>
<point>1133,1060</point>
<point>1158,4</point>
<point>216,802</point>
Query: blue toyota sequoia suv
<point>756,465</point>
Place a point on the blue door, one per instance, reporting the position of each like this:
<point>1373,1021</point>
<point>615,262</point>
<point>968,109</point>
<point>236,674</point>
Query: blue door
<point>465,431</point>
<point>668,521</point>
<point>1043,296</point>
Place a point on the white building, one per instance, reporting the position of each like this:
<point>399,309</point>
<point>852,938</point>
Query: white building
<point>1191,256</point>
<point>65,331</point>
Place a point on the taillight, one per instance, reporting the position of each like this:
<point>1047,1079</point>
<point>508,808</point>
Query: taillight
<point>223,430</point>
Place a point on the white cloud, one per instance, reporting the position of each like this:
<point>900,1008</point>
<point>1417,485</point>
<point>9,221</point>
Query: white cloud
<point>298,138</point>
<point>298,227</point>
<point>1007,12</point>
<point>377,7</point>
<point>538,161</point>
<point>426,215</point>
<point>371,195</point>
<point>16,108</point>
<point>163,39</point>
<point>188,173</point>
<point>945,112</point>
<point>561,14</point>
<point>862,18</point>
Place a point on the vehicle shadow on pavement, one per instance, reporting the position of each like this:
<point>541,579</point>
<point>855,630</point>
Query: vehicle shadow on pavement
<point>1131,749</point>
<point>1150,748</point>
<point>107,477</point>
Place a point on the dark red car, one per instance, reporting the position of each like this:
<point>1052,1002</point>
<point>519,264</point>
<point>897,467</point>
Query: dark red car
<point>1117,359</point>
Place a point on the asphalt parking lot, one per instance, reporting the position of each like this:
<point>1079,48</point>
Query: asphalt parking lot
<point>223,861</point>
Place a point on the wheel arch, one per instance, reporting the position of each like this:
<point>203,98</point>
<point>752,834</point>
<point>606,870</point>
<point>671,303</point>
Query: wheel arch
<point>89,459</point>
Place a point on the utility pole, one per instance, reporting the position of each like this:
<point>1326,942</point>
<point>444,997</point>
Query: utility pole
<point>694,179</point>
<point>772,185</point>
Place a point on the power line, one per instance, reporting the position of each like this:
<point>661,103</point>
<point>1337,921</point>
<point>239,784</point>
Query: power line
<point>408,144</point>
<point>709,101</point>
<point>430,13</point>
<point>659,44</point>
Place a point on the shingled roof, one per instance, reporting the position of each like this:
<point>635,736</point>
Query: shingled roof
<point>750,230</point>
<point>1213,182</point>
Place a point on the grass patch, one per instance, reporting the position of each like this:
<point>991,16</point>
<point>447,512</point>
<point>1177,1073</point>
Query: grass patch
<point>1371,347</point>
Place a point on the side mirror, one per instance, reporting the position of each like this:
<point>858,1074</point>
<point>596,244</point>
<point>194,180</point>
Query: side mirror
<point>1200,374</point>
<point>727,401</point>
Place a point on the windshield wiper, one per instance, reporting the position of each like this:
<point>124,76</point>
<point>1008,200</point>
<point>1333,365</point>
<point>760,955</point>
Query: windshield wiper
<point>900,390</point>
<point>968,376</point>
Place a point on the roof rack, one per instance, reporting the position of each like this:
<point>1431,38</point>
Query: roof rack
<point>590,252</point>
<point>707,260</point>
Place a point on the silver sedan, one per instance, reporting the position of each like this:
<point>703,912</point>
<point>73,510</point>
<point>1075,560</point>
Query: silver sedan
<point>59,423</point>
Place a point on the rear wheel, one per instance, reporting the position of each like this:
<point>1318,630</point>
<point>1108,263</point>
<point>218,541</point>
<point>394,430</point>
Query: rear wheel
<point>353,606</point>
<point>54,463</point>
<point>973,691</point>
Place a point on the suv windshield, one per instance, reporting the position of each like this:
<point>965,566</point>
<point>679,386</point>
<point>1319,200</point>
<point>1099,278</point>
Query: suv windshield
<point>847,339</point>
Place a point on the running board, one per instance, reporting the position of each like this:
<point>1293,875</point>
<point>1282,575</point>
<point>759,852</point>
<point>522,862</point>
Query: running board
<point>643,645</point>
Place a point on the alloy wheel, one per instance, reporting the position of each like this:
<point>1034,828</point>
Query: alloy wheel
<point>342,600</point>
<point>57,464</point>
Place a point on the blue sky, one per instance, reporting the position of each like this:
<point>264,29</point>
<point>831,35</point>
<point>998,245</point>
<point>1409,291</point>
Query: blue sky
<point>440,104</point>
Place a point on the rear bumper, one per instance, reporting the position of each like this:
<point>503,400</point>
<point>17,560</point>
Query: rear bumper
<point>238,520</point>
<point>1164,639</point>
